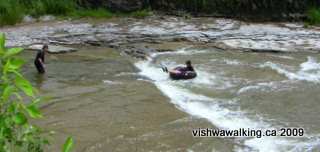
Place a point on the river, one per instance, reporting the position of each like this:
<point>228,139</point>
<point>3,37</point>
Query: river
<point>249,76</point>
<point>247,90</point>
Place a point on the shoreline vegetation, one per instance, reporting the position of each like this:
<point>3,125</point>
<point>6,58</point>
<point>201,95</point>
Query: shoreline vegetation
<point>313,15</point>
<point>19,104</point>
<point>13,11</point>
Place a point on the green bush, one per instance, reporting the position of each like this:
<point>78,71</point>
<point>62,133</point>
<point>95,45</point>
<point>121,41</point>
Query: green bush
<point>35,8</point>
<point>314,16</point>
<point>16,132</point>
<point>17,105</point>
<point>54,7</point>
<point>11,12</point>
<point>59,7</point>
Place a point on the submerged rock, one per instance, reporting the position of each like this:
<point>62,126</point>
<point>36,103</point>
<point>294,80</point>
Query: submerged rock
<point>53,48</point>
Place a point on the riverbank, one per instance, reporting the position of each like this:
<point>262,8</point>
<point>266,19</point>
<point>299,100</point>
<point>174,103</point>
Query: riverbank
<point>16,11</point>
<point>249,10</point>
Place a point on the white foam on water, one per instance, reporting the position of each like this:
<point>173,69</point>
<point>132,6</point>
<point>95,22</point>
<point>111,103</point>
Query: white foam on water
<point>207,79</point>
<point>268,86</point>
<point>309,70</point>
<point>205,107</point>
<point>311,64</point>
<point>192,103</point>
<point>217,113</point>
<point>232,62</point>
<point>151,72</point>
<point>111,82</point>
<point>248,88</point>
<point>125,74</point>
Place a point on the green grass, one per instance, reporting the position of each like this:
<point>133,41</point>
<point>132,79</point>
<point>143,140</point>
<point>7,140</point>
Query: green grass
<point>314,16</point>
<point>10,12</point>
<point>136,14</point>
<point>141,13</point>
<point>13,11</point>
<point>91,13</point>
<point>104,13</point>
<point>59,7</point>
<point>54,7</point>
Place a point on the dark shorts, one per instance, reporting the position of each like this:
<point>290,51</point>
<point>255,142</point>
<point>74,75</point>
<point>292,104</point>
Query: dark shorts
<point>39,67</point>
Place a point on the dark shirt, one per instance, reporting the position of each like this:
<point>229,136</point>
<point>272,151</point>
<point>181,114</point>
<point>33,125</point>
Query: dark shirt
<point>40,55</point>
<point>189,68</point>
<point>185,69</point>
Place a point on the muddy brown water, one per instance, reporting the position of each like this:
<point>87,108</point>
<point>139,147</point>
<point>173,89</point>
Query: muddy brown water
<point>246,90</point>
<point>96,97</point>
<point>110,102</point>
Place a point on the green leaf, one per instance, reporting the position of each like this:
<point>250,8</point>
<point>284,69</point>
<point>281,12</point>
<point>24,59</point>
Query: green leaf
<point>67,147</point>
<point>46,142</point>
<point>13,65</point>
<point>16,63</point>
<point>12,108</point>
<point>2,41</point>
<point>20,119</point>
<point>24,85</point>
<point>7,92</point>
<point>18,96</point>
<point>16,73</point>
<point>12,51</point>
<point>34,111</point>
<point>36,101</point>
<point>6,66</point>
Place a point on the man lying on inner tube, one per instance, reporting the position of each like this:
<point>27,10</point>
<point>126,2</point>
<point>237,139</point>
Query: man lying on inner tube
<point>187,72</point>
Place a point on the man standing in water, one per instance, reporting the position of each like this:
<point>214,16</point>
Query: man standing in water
<point>39,60</point>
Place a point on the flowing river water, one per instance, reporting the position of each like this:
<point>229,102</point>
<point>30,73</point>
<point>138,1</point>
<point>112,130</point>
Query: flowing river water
<point>247,90</point>
<point>112,102</point>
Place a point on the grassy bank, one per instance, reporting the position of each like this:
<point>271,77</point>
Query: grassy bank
<point>313,16</point>
<point>13,11</point>
<point>104,13</point>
